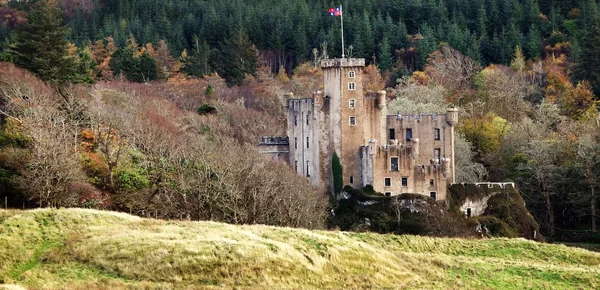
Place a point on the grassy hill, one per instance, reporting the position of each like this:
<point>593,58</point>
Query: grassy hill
<point>87,249</point>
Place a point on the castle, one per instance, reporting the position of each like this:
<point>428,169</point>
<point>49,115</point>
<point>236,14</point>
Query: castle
<point>393,153</point>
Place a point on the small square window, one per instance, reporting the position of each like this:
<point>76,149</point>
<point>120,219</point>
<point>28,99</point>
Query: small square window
<point>392,133</point>
<point>388,182</point>
<point>387,193</point>
<point>352,86</point>
<point>352,121</point>
<point>351,74</point>
<point>404,181</point>
<point>433,195</point>
<point>394,164</point>
<point>408,134</point>
<point>431,182</point>
<point>352,104</point>
<point>436,134</point>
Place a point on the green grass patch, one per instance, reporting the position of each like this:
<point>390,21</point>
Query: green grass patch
<point>87,249</point>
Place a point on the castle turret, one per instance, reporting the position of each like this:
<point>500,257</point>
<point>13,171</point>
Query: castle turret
<point>415,147</point>
<point>452,116</point>
<point>318,96</point>
<point>381,99</point>
<point>452,119</point>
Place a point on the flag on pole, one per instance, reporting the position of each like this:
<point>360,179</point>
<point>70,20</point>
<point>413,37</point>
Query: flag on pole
<point>335,11</point>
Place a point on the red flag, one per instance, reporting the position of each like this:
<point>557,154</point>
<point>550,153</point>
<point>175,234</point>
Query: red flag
<point>335,11</point>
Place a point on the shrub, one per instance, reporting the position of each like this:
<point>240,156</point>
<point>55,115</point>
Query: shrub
<point>132,179</point>
<point>337,169</point>
<point>206,109</point>
<point>496,227</point>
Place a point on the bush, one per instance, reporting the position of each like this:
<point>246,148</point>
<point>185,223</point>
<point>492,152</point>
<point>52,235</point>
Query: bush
<point>496,227</point>
<point>206,109</point>
<point>337,170</point>
<point>132,179</point>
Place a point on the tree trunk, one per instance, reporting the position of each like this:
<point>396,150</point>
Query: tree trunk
<point>550,213</point>
<point>593,208</point>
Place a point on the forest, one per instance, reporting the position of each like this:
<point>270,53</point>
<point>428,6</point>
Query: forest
<point>149,106</point>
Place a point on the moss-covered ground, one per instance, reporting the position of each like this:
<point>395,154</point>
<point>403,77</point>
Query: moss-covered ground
<point>87,249</point>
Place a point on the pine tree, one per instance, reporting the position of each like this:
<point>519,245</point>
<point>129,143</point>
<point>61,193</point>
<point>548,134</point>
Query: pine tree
<point>534,42</point>
<point>518,62</point>
<point>41,46</point>
<point>589,56</point>
<point>236,58</point>
<point>385,62</point>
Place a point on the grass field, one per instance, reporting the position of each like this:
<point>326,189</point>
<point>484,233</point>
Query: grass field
<point>87,249</point>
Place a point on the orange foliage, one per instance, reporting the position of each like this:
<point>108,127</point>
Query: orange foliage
<point>561,48</point>
<point>372,80</point>
<point>88,140</point>
<point>420,78</point>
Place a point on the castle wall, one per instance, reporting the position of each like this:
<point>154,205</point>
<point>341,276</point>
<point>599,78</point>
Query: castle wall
<point>276,147</point>
<point>425,172</point>
<point>303,132</point>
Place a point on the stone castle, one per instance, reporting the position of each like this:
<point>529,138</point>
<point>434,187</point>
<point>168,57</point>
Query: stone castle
<point>393,153</point>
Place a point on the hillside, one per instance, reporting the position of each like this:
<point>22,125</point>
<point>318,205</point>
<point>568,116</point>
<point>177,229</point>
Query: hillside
<point>88,249</point>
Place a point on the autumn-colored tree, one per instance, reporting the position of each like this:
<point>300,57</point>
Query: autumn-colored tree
<point>372,80</point>
<point>486,132</point>
<point>580,102</point>
<point>518,63</point>
<point>451,69</point>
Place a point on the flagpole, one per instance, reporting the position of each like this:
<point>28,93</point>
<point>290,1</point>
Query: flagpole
<point>342,24</point>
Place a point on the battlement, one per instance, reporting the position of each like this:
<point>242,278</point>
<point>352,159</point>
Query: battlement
<point>342,62</point>
<point>273,140</point>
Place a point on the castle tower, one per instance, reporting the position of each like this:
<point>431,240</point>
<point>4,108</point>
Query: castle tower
<point>355,118</point>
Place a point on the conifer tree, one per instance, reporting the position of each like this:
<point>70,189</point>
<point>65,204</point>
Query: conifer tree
<point>385,62</point>
<point>236,58</point>
<point>518,62</point>
<point>589,56</point>
<point>41,46</point>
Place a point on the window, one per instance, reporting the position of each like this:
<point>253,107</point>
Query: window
<point>408,134</point>
<point>433,195</point>
<point>351,74</point>
<point>295,120</point>
<point>387,193</point>
<point>352,104</point>
<point>392,133</point>
<point>307,168</point>
<point>351,179</point>
<point>387,182</point>
<point>436,155</point>
<point>307,119</point>
<point>394,164</point>
<point>431,182</point>
<point>436,134</point>
<point>352,121</point>
<point>295,142</point>
<point>352,86</point>
<point>404,181</point>
<point>296,166</point>
<point>307,143</point>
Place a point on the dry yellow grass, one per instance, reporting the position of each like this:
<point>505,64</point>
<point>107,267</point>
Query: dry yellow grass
<point>87,249</point>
